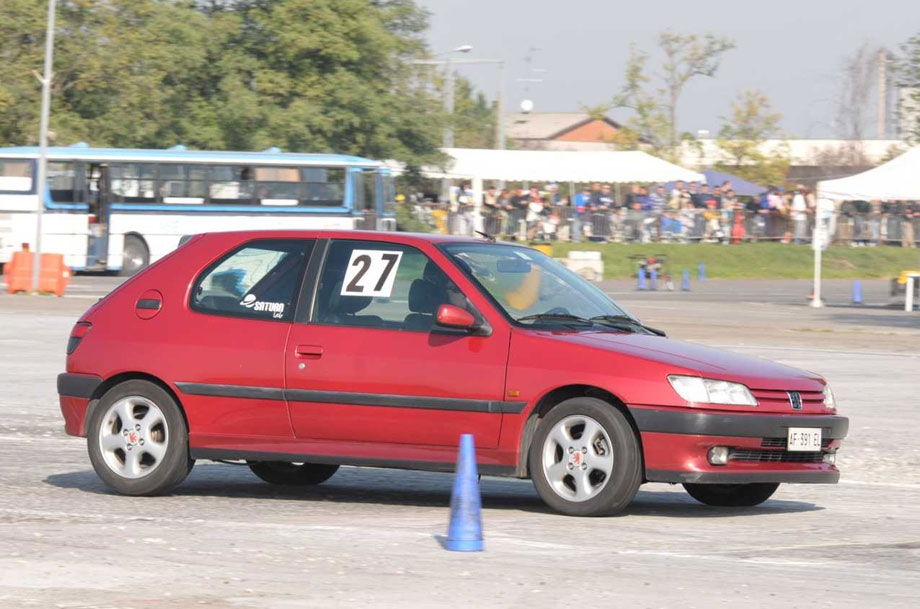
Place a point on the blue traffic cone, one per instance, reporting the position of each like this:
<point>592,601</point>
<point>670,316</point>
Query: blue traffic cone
<point>702,272</point>
<point>641,278</point>
<point>464,534</point>
<point>654,279</point>
<point>857,292</point>
<point>685,282</point>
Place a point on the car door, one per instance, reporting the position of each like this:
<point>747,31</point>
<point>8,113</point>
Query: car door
<point>371,366</point>
<point>242,307</point>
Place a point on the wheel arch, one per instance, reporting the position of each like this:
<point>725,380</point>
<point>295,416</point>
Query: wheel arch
<point>122,377</point>
<point>556,396</point>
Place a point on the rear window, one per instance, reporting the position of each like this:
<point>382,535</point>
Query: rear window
<point>259,280</point>
<point>15,175</point>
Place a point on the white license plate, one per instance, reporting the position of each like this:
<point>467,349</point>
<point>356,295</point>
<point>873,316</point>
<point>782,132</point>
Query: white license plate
<point>803,439</point>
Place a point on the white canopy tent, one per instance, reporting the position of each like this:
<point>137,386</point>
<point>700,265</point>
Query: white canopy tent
<point>561,166</point>
<point>896,180</point>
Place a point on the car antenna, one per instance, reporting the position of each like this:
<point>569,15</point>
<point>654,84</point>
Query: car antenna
<point>486,236</point>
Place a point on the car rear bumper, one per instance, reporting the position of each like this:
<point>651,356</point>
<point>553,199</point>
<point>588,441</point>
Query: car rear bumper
<point>676,447</point>
<point>75,392</point>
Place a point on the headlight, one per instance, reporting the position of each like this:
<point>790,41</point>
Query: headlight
<point>829,401</point>
<point>710,391</point>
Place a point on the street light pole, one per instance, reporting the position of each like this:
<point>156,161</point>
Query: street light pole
<point>43,145</point>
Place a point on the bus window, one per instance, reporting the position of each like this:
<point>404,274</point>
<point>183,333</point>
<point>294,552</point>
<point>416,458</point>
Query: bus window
<point>277,185</point>
<point>66,182</point>
<point>133,183</point>
<point>183,183</point>
<point>230,184</point>
<point>323,187</point>
<point>15,176</point>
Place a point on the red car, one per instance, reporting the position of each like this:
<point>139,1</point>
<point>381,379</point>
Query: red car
<point>300,351</point>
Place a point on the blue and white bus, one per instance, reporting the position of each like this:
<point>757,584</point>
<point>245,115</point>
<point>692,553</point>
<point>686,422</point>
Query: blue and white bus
<point>111,209</point>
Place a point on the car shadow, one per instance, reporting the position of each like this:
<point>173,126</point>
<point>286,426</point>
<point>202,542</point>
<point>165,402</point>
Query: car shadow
<point>898,320</point>
<point>416,489</point>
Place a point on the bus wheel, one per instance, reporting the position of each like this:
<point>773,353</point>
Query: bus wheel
<point>136,256</point>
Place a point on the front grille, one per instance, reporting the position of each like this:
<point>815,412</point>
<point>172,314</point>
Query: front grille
<point>747,455</point>
<point>781,442</point>
<point>769,397</point>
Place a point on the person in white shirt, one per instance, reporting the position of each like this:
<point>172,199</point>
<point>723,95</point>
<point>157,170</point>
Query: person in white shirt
<point>799,215</point>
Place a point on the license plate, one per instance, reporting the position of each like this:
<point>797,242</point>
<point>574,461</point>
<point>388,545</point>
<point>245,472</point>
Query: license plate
<point>803,439</point>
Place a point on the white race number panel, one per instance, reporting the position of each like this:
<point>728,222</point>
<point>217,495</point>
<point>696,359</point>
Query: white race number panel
<point>371,273</point>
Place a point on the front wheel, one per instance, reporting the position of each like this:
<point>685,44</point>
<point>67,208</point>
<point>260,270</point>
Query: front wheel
<point>137,439</point>
<point>585,458</point>
<point>292,474</point>
<point>732,495</point>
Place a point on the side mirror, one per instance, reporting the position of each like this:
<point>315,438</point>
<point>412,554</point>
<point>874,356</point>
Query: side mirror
<point>451,316</point>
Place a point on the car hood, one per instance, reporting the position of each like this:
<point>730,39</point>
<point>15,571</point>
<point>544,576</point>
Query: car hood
<point>708,362</point>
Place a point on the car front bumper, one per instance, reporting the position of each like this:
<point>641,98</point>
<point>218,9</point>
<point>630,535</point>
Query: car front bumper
<point>676,444</point>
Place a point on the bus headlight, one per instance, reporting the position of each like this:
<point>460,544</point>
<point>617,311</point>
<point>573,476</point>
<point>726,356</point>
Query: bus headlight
<point>710,391</point>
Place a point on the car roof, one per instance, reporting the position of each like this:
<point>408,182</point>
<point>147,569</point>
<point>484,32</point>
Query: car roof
<point>394,237</point>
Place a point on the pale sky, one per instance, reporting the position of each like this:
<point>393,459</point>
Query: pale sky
<point>791,50</point>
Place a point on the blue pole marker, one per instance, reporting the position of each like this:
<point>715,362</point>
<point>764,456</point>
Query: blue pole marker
<point>685,282</point>
<point>641,278</point>
<point>464,533</point>
<point>654,279</point>
<point>702,272</point>
<point>857,292</point>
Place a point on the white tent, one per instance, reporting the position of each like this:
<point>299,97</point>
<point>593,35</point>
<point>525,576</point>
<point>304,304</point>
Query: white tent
<point>896,180</point>
<point>561,166</point>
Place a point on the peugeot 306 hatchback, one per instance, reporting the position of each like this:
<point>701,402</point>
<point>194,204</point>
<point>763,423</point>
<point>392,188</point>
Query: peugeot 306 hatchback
<point>300,351</point>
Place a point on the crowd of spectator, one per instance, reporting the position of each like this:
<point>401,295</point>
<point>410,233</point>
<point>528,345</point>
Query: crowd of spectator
<point>678,212</point>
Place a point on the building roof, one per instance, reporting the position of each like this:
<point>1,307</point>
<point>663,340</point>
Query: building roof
<point>546,125</point>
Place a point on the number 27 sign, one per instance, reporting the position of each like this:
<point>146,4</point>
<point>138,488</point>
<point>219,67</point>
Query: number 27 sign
<point>371,273</point>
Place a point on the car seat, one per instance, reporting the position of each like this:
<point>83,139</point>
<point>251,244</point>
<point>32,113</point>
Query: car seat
<point>341,309</point>
<point>424,299</point>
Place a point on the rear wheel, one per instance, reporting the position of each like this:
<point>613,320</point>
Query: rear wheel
<point>136,256</point>
<point>137,439</point>
<point>585,458</point>
<point>732,495</point>
<point>292,474</point>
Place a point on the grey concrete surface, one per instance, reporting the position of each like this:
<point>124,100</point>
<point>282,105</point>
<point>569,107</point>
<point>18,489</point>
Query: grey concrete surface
<point>370,537</point>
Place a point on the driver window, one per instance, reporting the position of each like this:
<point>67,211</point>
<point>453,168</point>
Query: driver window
<point>383,285</point>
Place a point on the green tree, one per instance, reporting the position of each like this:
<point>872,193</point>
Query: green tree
<point>648,127</point>
<point>742,136</point>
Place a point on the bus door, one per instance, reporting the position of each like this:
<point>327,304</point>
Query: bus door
<point>97,189</point>
<point>364,198</point>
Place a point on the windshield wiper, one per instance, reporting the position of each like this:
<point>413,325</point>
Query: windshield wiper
<point>625,321</point>
<point>562,318</point>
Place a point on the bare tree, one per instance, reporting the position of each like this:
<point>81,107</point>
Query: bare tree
<point>855,102</point>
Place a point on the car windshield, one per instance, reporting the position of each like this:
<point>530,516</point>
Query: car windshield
<point>531,287</point>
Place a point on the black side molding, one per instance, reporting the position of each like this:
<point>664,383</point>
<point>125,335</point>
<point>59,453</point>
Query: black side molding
<point>77,385</point>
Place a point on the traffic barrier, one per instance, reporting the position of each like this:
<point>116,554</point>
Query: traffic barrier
<point>653,279</point>
<point>53,276</point>
<point>642,285</point>
<point>685,282</point>
<point>464,533</point>
<point>857,292</point>
<point>701,272</point>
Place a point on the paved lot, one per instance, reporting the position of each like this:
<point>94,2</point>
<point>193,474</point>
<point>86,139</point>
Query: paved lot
<point>370,537</point>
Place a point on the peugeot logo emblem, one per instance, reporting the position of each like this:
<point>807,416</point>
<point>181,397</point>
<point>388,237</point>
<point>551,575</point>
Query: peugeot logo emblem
<point>795,400</point>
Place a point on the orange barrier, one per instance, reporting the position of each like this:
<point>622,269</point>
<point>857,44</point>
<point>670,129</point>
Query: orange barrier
<point>53,275</point>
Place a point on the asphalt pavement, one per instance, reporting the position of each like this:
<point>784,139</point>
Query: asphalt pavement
<point>371,537</point>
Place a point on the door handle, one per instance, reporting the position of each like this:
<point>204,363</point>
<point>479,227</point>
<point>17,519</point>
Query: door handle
<point>308,351</point>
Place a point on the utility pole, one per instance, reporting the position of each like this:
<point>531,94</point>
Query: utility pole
<point>43,145</point>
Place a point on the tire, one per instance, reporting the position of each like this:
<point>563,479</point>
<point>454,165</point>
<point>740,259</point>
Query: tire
<point>292,474</point>
<point>150,457</point>
<point>611,463</point>
<point>136,256</point>
<point>732,495</point>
